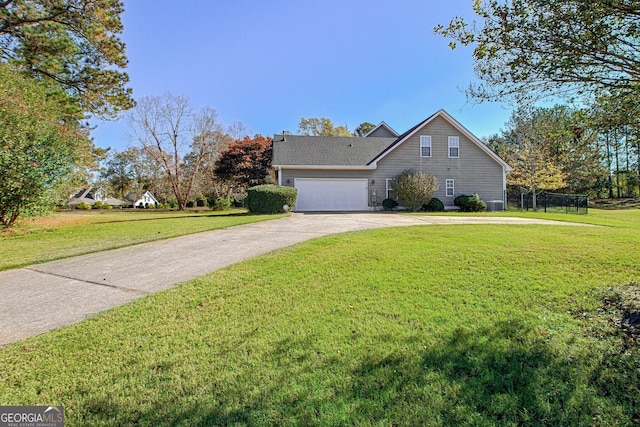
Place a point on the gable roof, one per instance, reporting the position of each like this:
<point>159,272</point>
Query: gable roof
<point>136,197</point>
<point>382,129</point>
<point>326,151</point>
<point>408,134</point>
<point>88,196</point>
<point>330,152</point>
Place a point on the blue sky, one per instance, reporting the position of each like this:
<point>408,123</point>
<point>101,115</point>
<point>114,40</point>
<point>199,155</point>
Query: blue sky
<point>267,64</point>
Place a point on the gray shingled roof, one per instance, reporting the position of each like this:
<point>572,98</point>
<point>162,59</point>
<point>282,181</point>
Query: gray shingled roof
<point>327,150</point>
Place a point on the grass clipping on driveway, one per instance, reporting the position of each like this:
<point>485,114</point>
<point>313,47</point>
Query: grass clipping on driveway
<point>433,325</point>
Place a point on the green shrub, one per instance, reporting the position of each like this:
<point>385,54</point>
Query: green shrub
<point>270,198</point>
<point>434,205</point>
<point>97,205</point>
<point>221,204</point>
<point>190,204</point>
<point>389,204</point>
<point>470,203</point>
<point>160,205</point>
<point>413,189</point>
<point>107,206</point>
<point>201,202</point>
<point>83,205</point>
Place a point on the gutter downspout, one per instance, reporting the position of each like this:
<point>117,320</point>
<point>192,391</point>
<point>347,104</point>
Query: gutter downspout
<point>504,188</point>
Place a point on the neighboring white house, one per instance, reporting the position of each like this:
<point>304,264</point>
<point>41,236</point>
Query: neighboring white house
<point>142,201</point>
<point>92,195</point>
<point>354,173</point>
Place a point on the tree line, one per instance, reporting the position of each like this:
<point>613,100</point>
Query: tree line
<point>587,53</point>
<point>570,150</point>
<point>187,157</point>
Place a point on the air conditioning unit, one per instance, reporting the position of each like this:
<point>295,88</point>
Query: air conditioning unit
<point>495,205</point>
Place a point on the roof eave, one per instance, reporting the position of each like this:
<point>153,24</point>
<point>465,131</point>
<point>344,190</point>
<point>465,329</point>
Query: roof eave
<point>325,167</point>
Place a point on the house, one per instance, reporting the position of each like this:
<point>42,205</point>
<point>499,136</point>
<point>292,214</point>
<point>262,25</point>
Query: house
<point>92,195</point>
<point>145,200</point>
<point>354,174</point>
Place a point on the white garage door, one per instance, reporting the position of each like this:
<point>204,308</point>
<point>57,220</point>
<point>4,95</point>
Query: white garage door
<point>331,194</point>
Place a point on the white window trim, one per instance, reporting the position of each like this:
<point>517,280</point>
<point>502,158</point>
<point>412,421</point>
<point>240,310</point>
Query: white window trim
<point>425,141</point>
<point>454,142</point>
<point>388,187</point>
<point>452,188</point>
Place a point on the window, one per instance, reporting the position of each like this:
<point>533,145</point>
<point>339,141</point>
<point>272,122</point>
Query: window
<point>450,188</point>
<point>389,190</point>
<point>454,146</point>
<point>425,146</point>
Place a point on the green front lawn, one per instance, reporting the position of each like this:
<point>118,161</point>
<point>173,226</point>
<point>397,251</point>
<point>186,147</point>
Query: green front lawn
<point>71,233</point>
<point>479,325</point>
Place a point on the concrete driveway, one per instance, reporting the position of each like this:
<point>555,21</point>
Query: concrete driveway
<point>43,297</point>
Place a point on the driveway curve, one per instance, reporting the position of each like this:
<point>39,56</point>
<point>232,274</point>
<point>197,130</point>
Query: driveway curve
<point>43,297</point>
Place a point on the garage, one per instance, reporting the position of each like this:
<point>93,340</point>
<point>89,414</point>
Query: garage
<point>331,194</point>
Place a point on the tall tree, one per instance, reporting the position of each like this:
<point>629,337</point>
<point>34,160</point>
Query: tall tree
<point>39,145</point>
<point>315,126</point>
<point>617,116</point>
<point>527,146</point>
<point>73,45</point>
<point>528,48</point>
<point>247,161</point>
<point>175,137</point>
<point>364,128</point>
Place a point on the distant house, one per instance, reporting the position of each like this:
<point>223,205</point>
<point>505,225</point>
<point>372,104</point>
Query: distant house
<point>92,195</point>
<point>354,174</point>
<point>145,200</point>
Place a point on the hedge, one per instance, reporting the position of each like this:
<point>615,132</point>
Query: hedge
<point>271,198</point>
<point>470,203</point>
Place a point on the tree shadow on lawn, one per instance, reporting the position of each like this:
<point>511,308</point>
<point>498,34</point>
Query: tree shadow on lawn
<point>503,375</point>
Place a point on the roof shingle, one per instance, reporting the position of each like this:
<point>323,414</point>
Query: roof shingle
<point>326,150</point>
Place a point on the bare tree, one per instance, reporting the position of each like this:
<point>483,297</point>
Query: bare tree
<point>176,138</point>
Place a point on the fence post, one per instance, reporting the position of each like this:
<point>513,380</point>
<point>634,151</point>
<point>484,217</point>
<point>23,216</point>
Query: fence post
<point>545,202</point>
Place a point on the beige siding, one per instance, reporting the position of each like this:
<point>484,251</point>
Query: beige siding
<point>382,132</point>
<point>473,171</point>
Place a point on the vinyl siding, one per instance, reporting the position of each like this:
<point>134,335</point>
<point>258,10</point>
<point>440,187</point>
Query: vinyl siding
<point>381,132</point>
<point>473,171</point>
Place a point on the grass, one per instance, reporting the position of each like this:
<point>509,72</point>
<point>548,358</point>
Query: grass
<point>482,325</point>
<point>71,233</point>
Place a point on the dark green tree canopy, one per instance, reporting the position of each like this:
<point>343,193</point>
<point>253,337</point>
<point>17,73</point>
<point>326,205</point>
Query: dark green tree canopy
<point>72,45</point>
<point>39,147</point>
<point>532,48</point>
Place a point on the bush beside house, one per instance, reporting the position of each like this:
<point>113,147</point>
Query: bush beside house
<point>434,205</point>
<point>470,203</point>
<point>271,198</point>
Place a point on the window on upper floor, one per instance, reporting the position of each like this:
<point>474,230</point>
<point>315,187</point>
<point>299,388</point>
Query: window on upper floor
<point>450,187</point>
<point>425,146</point>
<point>454,146</point>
